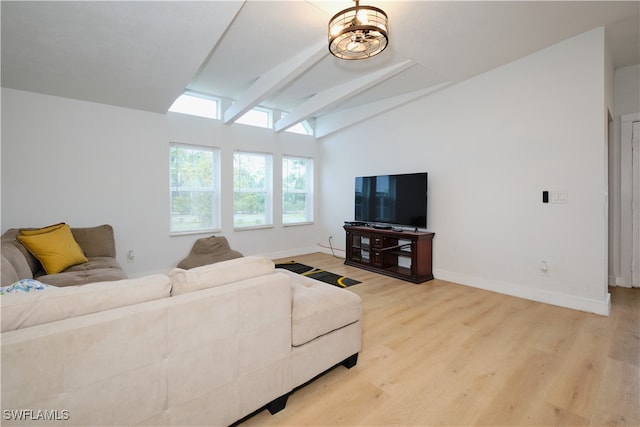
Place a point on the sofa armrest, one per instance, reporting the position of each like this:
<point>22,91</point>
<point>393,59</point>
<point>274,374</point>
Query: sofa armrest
<point>14,264</point>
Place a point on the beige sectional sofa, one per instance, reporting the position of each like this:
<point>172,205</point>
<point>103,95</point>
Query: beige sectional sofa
<point>205,346</point>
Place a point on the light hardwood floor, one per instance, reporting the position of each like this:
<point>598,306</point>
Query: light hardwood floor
<point>444,354</point>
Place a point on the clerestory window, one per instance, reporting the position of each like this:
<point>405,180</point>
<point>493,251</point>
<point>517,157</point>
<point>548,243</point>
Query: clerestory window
<point>196,105</point>
<point>260,117</point>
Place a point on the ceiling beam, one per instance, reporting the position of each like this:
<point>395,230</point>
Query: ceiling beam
<point>336,94</point>
<point>274,80</point>
<point>332,122</point>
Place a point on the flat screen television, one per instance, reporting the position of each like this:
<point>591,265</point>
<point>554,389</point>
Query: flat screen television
<point>399,200</point>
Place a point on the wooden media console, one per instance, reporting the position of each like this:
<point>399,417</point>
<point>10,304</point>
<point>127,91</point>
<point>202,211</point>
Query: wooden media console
<point>405,255</point>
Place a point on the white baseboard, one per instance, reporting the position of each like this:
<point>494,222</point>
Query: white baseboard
<point>539,295</point>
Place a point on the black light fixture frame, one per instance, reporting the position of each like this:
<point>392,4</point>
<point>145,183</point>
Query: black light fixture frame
<point>358,33</point>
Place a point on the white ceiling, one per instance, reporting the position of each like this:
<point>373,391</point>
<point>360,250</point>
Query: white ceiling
<point>274,53</point>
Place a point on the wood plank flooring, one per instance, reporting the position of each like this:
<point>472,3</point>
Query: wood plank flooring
<point>444,354</point>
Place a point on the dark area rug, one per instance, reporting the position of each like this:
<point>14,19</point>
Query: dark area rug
<point>318,274</point>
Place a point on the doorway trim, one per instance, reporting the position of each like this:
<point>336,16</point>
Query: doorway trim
<point>629,201</point>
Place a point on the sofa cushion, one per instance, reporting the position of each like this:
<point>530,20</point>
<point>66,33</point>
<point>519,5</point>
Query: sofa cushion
<point>14,264</point>
<point>9,274</point>
<point>56,250</point>
<point>10,238</point>
<point>21,310</point>
<point>321,309</point>
<point>97,269</point>
<point>222,273</point>
<point>96,241</point>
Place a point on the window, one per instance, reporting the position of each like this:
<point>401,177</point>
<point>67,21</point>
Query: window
<point>252,189</point>
<point>194,188</point>
<point>256,117</point>
<point>196,106</point>
<point>297,190</point>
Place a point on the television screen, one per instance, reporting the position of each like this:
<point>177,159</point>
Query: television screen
<point>392,199</point>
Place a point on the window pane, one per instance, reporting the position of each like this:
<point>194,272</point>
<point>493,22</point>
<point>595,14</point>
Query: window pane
<point>195,106</point>
<point>251,189</point>
<point>194,183</point>
<point>256,117</point>
<point>301,128</point>
<point>297,190</point>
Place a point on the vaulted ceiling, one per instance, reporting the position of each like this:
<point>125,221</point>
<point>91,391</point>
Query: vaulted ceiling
<point>144,54</point>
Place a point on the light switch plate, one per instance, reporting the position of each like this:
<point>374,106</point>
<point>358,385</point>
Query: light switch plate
<point>559,197</point>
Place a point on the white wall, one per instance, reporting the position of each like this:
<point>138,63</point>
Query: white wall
<point>88,164</point>
<point>491,145</point>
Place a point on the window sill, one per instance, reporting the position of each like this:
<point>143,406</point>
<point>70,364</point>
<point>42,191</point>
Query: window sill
<point>188,233</point>
<point>253,227</point>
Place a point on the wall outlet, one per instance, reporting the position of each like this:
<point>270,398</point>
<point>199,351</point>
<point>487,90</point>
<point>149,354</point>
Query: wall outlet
<point>131,256</point>
<point>544,268</point>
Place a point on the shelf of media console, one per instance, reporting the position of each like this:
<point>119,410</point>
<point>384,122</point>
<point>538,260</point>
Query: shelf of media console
<point>405,255</point>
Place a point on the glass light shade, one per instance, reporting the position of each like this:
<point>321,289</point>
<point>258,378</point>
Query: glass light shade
<point>358,32</point>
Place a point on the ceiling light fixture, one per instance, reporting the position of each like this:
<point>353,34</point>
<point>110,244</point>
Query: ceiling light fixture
<point>358,32</point>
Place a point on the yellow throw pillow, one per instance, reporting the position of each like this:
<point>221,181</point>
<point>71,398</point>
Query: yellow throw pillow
<point>47,229</point>
<point>56,249</point>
